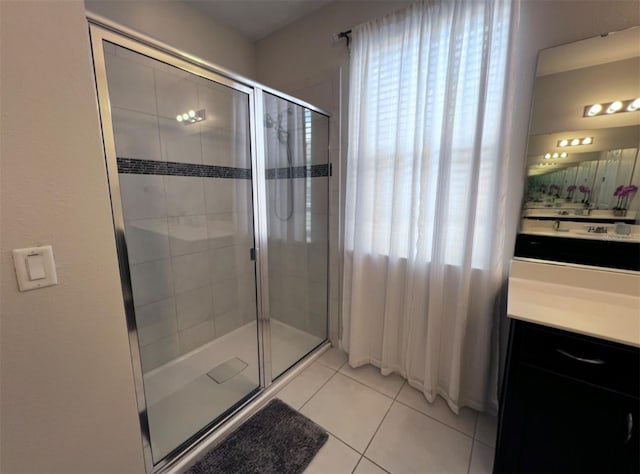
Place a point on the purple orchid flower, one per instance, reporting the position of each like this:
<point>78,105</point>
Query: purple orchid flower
<point>628,190</point>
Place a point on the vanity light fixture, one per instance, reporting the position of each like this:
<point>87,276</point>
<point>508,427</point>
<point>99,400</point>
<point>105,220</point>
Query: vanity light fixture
<point>191,116</point>
<point>547,156</point>
<point>595,109</point>
<point>614,107</point>
<point>633,106</point>
<point>574,141</point>
<point>608,108</point>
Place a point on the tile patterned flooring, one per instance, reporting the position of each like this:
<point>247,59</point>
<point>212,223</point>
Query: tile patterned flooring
<point>380,424</point>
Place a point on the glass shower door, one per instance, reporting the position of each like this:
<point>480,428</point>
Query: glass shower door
<point>297,183</point>
<point>181,142</point>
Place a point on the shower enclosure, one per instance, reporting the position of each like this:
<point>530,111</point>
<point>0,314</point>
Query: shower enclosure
<point>219,190</point>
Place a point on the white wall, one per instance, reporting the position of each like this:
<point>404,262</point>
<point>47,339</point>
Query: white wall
<point>304,50</point>
<point>181,26</point>
<point>67,396</point>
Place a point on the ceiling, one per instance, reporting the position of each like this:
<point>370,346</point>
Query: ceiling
<point>602,49</point>
<point>256,18</point>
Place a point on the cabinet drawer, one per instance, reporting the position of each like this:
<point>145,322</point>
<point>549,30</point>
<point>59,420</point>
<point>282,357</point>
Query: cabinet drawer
<point>588,359</point>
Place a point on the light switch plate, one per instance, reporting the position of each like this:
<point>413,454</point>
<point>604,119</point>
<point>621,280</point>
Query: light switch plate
<point>31,280</point>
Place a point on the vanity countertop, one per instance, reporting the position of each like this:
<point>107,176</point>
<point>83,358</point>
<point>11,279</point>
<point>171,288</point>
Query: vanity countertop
<point>596,302</point>
<point>578,230</point>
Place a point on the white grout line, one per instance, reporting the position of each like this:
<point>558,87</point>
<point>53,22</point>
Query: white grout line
<point>369,386</point>
<point>330,367</point>
<point>381,421</point>
<point>394,400</point>
<point>484,444</point>
<point>475,425</point>
<point>325,428</point>
<point>435,419</point>
<point>357,464</point>
<point>372,462</point>
<point>341,440</point>
<point>316,392</point>
<point>470,457</point>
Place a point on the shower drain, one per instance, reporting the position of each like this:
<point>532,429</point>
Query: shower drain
<point>228,369</point>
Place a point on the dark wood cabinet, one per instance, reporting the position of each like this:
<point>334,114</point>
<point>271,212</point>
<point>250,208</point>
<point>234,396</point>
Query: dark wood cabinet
<point>570,403</point>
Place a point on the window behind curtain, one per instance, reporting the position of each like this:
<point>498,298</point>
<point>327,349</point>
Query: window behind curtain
<point>430,103</point>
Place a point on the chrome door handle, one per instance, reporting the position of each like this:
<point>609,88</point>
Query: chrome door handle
<point>581,359</point>
<point>629,427</point>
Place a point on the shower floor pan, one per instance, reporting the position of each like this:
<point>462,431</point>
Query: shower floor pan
<point>182,397</point>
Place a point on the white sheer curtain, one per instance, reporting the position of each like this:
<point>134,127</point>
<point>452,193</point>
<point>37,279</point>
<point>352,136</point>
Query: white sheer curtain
<point>425,196</point>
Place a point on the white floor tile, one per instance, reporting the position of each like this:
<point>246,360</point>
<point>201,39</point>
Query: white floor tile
<point>481,459</point>
<point>465,421</point>
<point>487,429</point>
<point>370,375</point>
<point>302,388</point>
<point>348,409</point>
<point>367,467</point>
<point>409,442</point>
<point>333,358</point>
<point>334,457</point>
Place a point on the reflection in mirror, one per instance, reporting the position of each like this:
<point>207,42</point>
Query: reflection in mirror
<point>582,154</point>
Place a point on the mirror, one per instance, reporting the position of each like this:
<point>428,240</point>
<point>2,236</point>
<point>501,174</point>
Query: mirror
<point>582,154</point>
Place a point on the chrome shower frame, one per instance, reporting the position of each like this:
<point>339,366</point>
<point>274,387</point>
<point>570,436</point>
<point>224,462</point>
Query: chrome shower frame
<point>102,29</point>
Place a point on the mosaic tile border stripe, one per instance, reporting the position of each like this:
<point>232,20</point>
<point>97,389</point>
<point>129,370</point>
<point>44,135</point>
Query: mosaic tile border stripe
<point>172,168</point>
<point>313,171</point>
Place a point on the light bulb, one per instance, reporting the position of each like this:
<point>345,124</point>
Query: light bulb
<point>179,118</point>
<point>185,116</point>
<point>555,155</point>
<point>614,107</point>
<point>563,142</point>
<point>575,142</point>
<point>563,154</point>
<point>633,106</point>
<point>547,156</point>
<point>192,113</point>
<point>595,109</point>
<point>587,141</point>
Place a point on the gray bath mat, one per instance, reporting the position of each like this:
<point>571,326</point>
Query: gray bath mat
<point>228,369</point>
<point>276,440</point>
